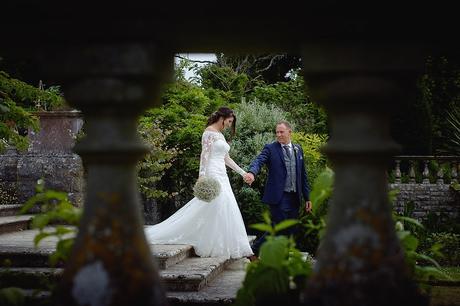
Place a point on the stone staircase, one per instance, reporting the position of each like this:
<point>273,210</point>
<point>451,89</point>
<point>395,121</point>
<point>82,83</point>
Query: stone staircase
<point>10,221</point>
<point>187,279</point>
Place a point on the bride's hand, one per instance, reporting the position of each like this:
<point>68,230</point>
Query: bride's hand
<point>248,178</point>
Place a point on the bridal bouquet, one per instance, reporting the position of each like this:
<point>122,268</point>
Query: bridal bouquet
<point>206,189</point>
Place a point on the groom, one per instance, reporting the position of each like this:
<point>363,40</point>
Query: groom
<point>286,184</point>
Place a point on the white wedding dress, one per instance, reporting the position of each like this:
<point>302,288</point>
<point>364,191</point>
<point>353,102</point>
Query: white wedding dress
<point>214,229</point>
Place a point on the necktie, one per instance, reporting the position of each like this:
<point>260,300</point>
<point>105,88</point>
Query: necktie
<point>288,151</point>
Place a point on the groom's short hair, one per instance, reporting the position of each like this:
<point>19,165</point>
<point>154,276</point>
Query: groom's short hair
<point>286,124</point>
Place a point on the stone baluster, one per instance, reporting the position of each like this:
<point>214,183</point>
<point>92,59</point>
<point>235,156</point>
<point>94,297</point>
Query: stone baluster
<point>440,173</point>
<point>398,171</point>
<point>111,262</point>
<point>412,172</point>
<point>426,172</point>
<point>454,172</point>
<point>359,261</point>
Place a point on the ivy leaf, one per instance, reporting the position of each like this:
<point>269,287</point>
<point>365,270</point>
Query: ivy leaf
<point>274,251</point>
<point>411,221</point>
<point>40,221</point>
<point>285,224</point>
<point>262,227</point>
<point>322,189</point>
<point>40,236</point>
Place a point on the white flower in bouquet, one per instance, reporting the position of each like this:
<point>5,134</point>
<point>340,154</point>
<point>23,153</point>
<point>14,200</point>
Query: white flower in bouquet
<point>206,189</point>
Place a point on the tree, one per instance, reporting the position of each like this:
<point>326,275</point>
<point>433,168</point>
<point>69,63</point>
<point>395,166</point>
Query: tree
<point>17,99</point>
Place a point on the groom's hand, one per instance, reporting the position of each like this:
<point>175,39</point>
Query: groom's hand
<point>308,206</point>
<point>249,178</point>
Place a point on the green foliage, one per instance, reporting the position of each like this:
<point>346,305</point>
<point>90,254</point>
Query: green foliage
<point>182,118</point>
<point>11,296</point>
<point>444,247</point>
<point>260,68</point>
<point>255,128</point>
<point>322,191</point>
<point>13,119</point>
<point>291,96</point>
<point>55,209</point>
<point>440,90</point>
<point>421,266</point>
<point>16,101</point>
<point>405,227</point>
<point>315,223</point>
<point>435,222</point>
<point>251,206</point>
<point>452,145</point>
<point>315,160</point>
<point>160,158</point>
<point>28,96</point>
<point>230,83</point>
<point>455,186</point>
<point>281,271</point>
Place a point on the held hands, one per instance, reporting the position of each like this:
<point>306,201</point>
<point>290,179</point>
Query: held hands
<point>248,178</point>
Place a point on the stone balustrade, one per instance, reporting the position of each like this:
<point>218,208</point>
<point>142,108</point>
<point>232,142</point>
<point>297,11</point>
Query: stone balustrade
<point>425,181</point>
<point>414,163</point>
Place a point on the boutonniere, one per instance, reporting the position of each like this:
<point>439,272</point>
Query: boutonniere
<point>296,150</point>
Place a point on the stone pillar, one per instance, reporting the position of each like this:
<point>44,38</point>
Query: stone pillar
<point>111,262</point>
<point>360,261</point>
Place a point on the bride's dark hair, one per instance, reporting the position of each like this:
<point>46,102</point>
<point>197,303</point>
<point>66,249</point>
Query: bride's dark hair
<point>224,112</point>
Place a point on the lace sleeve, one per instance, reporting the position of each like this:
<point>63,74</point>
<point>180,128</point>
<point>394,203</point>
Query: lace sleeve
<point>206,143</point>
<point>229,162</point>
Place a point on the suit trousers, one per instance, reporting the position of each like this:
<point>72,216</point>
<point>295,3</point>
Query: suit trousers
<point>287,208</point>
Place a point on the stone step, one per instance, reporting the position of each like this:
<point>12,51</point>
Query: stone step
<point>32,297</point>
<point>9,210</point>
<point>192,274</point>
<point>221,291</point>
<point>18,249</point>
<point>30,278</point>
<point>17,256</point>
<point>10,224</point>
<point>168,255</point>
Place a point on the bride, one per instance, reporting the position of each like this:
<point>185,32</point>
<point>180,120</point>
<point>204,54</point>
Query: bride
<point>214,229</point>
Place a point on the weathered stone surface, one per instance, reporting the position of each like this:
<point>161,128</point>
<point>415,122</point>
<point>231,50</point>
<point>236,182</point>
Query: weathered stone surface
<point>214,280</point>
<point>222,291</point>
<point>170,254</point>
<point>57,134</point>
<point>49,156</point>
<point>31,278</point>
<point>192,274</point>
<point>62,172</point>
<point>9,209</point>
<point>427,198</point>
<point>14,223</point>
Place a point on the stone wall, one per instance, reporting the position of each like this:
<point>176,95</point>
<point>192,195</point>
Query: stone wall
<point>427,197</point>
<point>49,156</point>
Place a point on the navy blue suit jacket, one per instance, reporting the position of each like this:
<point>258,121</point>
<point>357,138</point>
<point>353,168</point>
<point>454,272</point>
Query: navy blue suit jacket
<point>272,156</point>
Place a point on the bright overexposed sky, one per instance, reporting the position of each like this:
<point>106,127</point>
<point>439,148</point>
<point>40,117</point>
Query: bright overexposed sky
<point>197,57</point>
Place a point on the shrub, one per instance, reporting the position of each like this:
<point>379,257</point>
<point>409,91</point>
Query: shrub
<point>17,99</point>
<point>281,272</point>
<point>255,128</point>
<point>154,165</point>
<point>448,244</point>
